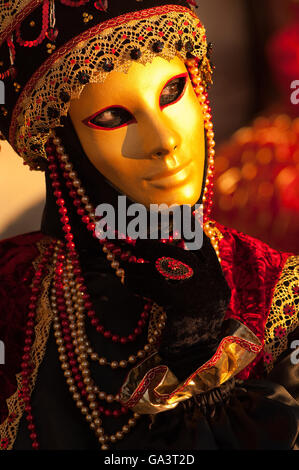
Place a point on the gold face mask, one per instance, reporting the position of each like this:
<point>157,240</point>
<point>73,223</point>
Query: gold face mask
<point>144,131</point>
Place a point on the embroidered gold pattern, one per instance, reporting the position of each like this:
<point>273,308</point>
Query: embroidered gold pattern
<point>9,428</point>
<point>283,317</point>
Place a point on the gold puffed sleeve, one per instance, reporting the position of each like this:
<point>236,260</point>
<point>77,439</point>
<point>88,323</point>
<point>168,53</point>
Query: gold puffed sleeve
<point>152,388</point>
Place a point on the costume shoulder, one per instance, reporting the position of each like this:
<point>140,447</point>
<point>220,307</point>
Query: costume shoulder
<point>16,271</point>
<point>264,287</point>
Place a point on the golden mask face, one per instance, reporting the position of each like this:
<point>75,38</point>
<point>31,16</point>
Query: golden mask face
<point>144,131</point>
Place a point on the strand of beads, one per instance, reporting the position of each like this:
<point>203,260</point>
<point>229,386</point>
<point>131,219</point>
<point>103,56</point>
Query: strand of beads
<point>69,324</point>
<point>78,302</point>
<point>154,333</point>
<point>6,74</point>
<point>86,211</point>
<point>26,365</point>
<point>194,72</point>
<point>109,248</point>
<point>75,306</point>
<point>75,379</point>
<point>72,307</point>
<point>115,338</point>
<point>74,3</point>
<point>202,95</point>
<point>71,247</point>
<point>70,339</point>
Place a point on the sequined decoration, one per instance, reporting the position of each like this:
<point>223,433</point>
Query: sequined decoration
<point>173,269</point>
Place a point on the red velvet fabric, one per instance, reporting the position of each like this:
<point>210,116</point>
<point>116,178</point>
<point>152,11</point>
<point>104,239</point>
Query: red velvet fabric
<point>251,269</point>
<point>16,271</point>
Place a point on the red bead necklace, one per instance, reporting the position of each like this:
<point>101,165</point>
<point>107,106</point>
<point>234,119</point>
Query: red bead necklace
<point>113,252</point>
<point>71,339</point>
<point>26,366</point>
<point>74,352</point>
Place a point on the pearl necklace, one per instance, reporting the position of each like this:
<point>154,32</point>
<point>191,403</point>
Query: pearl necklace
<point>69,298</point>
<point>74,350</point>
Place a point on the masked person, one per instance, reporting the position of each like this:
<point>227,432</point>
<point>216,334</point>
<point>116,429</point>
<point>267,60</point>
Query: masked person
<point>123,343</point>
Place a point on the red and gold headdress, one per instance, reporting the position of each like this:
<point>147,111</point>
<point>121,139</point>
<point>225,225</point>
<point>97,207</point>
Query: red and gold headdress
<point>51,49</point>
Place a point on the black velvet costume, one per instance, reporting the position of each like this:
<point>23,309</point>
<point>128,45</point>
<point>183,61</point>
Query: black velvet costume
<point>236,415</point>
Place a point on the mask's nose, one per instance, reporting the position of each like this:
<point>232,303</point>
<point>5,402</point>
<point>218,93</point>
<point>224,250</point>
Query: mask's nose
<point>159,137</point>
<point>165,146</point>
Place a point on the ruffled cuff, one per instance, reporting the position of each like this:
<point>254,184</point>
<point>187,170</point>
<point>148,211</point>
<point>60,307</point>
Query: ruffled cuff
<point>151,387</point>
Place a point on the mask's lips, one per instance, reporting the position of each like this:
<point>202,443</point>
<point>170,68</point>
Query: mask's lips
<point>166,173</point>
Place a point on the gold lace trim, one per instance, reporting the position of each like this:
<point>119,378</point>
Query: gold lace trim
<point>155,319</point>
<point>43,101</point>
<point>283,317</point>
<point>9,428</point>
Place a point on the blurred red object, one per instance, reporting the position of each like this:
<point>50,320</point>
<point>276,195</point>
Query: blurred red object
<point>257,182</point>
<point>283,52</point>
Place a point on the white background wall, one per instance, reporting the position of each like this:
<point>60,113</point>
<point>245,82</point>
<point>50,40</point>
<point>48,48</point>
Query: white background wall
<point>22,194</point>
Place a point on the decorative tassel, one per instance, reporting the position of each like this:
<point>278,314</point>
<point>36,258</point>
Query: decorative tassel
<point>12,50</point>
<point>52,32</point>
<point>191,2</point>
<point>11,71</point>
<point>101,5</point>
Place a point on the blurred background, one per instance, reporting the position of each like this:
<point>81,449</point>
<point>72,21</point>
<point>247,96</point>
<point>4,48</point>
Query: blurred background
<point>256,54</point>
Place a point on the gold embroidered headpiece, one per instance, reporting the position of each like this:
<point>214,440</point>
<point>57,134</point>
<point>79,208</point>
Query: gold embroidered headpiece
<point>80,42</point>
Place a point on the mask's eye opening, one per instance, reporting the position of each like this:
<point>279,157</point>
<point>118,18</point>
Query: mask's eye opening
<point>110,118</point>
<point>173,90</point>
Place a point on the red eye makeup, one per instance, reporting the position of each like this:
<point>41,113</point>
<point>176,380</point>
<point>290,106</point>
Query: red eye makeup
<point>110,118</point>
<point>114,117</point>
<point>173,90</point>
